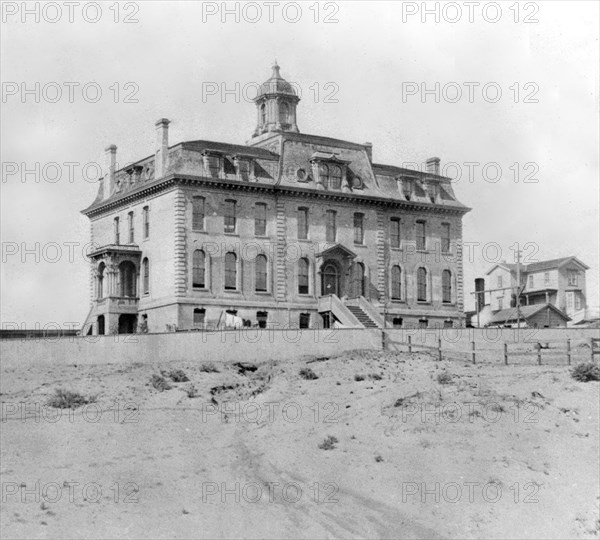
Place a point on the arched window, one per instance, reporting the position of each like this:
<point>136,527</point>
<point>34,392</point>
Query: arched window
<point>446,286</point>
<point>422,285</point>
<point>198,214</point>
<point>359,279</point>
<point>396,283</point>
<point>263,114</point>
<point>127,279</point>
<point>260,273</point>
<point>335,180</point>
<point>284,113</point>
<point>101,280</point>
<point>146,279</point>
<point>230,271</point>
<point>324,174</point>
<point>303,276</point>
<point>199,269</point>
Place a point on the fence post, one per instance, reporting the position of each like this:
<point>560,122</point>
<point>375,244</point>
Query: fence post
<point>591,349</point>
<point>539,353</point>
<point>440,349</point>
<point>473,352</point>
<point>409,344</point>
<point>568,352</point>
<point>505,354</point>
<point>383,343</point>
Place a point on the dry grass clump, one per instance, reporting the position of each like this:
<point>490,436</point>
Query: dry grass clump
<point>588,371</point>
<point>160,383</point>
<point>65,399</point>
<point>328,443</point>
<point>308,374</point>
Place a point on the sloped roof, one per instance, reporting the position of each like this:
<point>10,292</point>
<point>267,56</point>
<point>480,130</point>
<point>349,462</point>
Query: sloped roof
<point>539,266</point>
<point>510,314</point>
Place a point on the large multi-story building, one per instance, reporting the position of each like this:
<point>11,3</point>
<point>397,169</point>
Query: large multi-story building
<point>288,230</point>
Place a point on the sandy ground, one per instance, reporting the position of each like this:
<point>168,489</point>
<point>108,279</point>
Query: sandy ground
<point>494,452</point>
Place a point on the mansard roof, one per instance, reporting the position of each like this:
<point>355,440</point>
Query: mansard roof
<point>284,160</point>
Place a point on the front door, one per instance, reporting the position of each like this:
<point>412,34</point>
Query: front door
<point>330,279</point>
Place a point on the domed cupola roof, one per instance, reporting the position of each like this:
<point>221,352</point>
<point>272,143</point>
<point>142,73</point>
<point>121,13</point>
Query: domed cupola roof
<point>276,84</point>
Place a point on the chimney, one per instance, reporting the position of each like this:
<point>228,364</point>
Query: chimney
<point>369,149</point>
<point>433,165</point>
<point>480,297</point>
<point>111,165</point>
<point>161,161</point>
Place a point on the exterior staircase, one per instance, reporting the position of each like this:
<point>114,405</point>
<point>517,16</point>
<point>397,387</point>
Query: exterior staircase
<point>362,317</point>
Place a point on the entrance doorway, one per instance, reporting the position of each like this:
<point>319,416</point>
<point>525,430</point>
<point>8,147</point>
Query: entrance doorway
<point>330,278</point>
<point>100,325</point>
<point>127,323</point>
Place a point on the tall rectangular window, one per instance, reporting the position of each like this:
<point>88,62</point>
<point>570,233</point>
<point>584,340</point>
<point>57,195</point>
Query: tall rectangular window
<point>146,214</point>
<point>530,284</point>
<point>198,213</point>
<point>260,269</point>
<point>422,285</point>
<point>302,223</point>
<point>230,271</point>
<point>421,236</point>
<point>229,216</point>
<point>117,232</point>
<point>500,282</point>
<point>304,320</point>
<point>445,237</point>
<point>260,219</point>
<point>199,269</point>
<point>546,278</point>
<point>330,226</point>
<point>573,278</point>
<point>131,228</point>
<point>359,232</point>
<point>446,287</point>
<point>303,276</point>
<point>395,233</point>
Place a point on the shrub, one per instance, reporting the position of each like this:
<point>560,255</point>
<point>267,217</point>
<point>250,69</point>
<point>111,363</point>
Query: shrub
<point>191,391</point>
<point>378,459</point>
<point>444,378</point>
<point>588,371</point>
<point>308,374</point>
<point>375,377</point>
<point>328,443</point>
<point>177,375</point>
<point>209,368</point>
<point>64,399</point>
<point>160,383</point>
<point>359,377</point>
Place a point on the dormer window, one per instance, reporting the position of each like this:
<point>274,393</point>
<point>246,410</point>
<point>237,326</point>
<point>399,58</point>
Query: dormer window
<point>212,165</point>
<point>407,188</point>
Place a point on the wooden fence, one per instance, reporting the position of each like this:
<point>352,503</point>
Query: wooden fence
<point>576,350</point>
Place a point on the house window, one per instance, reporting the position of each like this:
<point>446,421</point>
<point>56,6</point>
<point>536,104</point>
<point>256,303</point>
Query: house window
<point>230,271</point>
<point>500,282</point>
<point>117,234</point>
<point>260,269</point>
<point>243,169</point>
<point>546,278</point>
<point>260,219</point>
<point>573,278</point>
<point>422,285</point>
<point>324,174</point>
<point>448,323</point>
<point>396,283</point>
<point>423,323</point>
<point>397,322</point>
<point>198,214</point>
<point>302,223</point>
<point>359,279</point>
<point>199,317</point>
<point>530,285</point>
<point>127,279</point>
<point>578,305</point>
<point>199,269</point>
<point>304,320</point>
<point>229,216</point>
<point>303,276</point>
<point>261,318</point>
<point>131,229</point>
<point>146,276</point>
<point>395,233</point>
<point>330,226</point>
<point>146,214</point>
<point>446,287</point>
<point>445,237</point>
<point>421,236</point>
<point>284,113</point>
<point>359,233</point>
<point>570,300</point>
<point>500,303</point>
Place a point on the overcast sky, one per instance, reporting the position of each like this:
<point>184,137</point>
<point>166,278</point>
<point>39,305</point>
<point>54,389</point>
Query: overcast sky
<point>543,128</point>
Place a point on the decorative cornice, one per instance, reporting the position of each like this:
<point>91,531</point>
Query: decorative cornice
<point>259,187</point>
